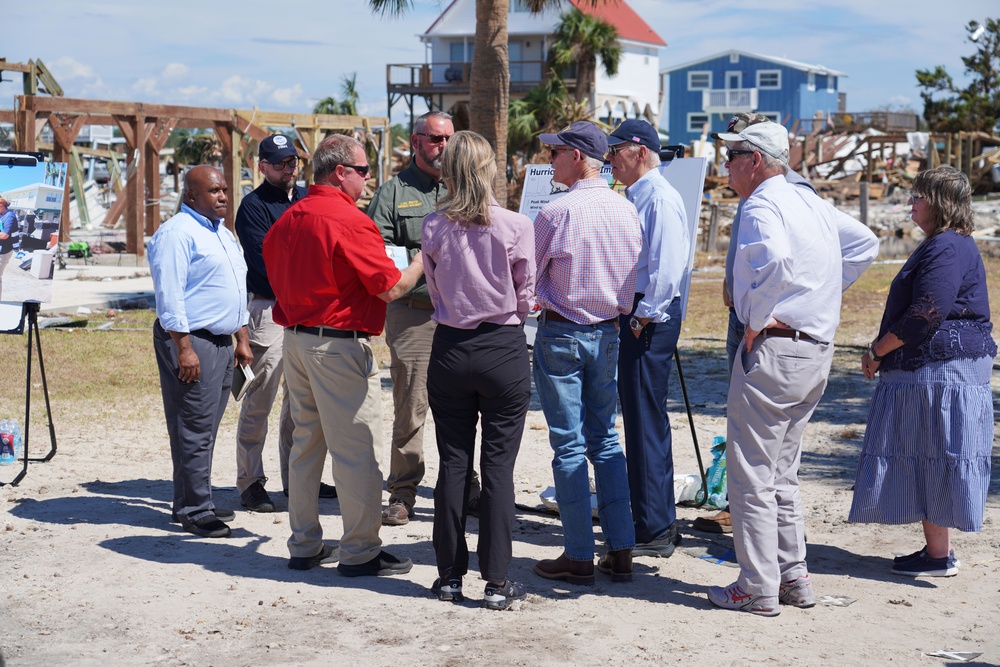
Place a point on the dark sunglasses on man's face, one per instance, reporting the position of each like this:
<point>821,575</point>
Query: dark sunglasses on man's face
<point>434,138</point>
<point>731,153</point>
<point>362,169</point>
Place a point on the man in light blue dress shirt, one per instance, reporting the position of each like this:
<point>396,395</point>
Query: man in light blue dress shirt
<point>199,277</point>
<point>649,334</point>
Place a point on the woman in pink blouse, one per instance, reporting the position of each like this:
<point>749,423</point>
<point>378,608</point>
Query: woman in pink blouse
<point>479,259</point>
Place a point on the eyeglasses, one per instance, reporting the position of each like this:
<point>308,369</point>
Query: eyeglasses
<point>553,152</point>
<point>615,150</point>
<point>434,138</point>
<point>732,152</point>
<point>915,197</point>
<point>284,165</point>
<point>362,169</point>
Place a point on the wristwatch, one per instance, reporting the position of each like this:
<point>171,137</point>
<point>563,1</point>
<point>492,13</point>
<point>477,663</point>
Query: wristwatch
<point>635,324</point>
<point>871,353</point>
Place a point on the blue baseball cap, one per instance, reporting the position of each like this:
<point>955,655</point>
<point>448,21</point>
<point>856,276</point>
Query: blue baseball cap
<point>276,148</point>
<point>582,135</point>
<point>636,131</point>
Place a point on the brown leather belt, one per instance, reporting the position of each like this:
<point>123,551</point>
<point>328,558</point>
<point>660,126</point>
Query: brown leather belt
<point>417,304</point>
<point>556,317</point>
<point>787,333</point>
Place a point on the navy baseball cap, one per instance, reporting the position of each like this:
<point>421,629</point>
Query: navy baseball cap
<point>582,135</point>
<point>636,131</point>
<point>277,148</point>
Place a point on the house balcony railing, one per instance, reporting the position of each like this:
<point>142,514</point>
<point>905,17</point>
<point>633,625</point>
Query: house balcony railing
<point>729,100</point>
<point>453,77</point>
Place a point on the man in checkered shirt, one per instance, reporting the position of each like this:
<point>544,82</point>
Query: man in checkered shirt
<point>586,247</point>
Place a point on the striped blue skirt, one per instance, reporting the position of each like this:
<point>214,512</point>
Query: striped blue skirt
<point>926,453</point>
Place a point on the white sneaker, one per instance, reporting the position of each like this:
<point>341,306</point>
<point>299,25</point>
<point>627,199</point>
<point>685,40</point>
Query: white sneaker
<point>735,598</point>
<point>797,593</point>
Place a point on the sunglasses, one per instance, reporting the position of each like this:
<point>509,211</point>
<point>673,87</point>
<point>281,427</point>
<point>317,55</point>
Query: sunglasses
<point>615,150</point>
<point>731,153</point>
<point>553,152</point>
<point>915,197</point>
<point>362,169</point>
<point>284,165</point>
<point>434,138</point>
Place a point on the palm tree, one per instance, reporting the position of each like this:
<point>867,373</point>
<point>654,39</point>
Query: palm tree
<point>348,104</point>
<point>489,82</point>
<point>581,39</point>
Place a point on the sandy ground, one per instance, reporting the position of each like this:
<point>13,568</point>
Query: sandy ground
<point>95,574</point>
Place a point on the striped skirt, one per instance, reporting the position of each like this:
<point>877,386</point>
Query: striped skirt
<point>926,453</point>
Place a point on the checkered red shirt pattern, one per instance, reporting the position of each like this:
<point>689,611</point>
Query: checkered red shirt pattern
<point>587,243</point>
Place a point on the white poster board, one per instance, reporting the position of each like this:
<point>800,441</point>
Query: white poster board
<point>687,175</point>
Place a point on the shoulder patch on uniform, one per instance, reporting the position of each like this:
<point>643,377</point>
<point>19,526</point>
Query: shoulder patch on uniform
<point>410,204</point>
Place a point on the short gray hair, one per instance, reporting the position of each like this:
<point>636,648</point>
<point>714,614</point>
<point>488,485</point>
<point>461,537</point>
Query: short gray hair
<point>771,163</point>
<point>334,150</point>
<point>421,123</point>
<point>593,163</point>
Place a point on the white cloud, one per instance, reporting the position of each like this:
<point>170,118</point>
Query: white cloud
<point>192,91</point>
<point>288,97</point>
<point>146,85</point>
<point>70,68</point>
<point>175,71</point>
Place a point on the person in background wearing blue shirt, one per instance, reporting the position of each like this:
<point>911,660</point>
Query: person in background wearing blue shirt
<point>8,236</point>
<point>926,454</point>
<point>199,278</point>
<point>278,162</point>
<point>648,338</point>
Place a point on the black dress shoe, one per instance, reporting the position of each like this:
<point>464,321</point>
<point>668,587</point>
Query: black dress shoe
<point>255,498</point>
<point>383,565</point>
<point>327,554</point>
<point>325,491</point>
<point>208,526</point>
<point>221,515</point>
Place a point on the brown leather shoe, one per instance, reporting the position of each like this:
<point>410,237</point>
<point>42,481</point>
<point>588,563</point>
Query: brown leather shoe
<point>398,513</point>
<point>563,569</point>
<point>618,564</point>
<point>718,523</point>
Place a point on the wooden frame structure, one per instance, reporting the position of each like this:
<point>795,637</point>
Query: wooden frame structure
<point>146,129</point>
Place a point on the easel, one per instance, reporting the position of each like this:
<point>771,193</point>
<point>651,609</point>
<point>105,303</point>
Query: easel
<point>30,309</point>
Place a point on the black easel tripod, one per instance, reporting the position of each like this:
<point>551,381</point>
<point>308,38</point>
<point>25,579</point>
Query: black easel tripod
<point>31,310</point>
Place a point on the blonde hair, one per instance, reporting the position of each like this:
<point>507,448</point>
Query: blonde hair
<point>468,168</point>
<point>949,197</point>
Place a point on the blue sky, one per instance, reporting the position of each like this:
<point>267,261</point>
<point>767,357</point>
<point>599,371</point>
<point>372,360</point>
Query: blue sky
<point>285,57</point>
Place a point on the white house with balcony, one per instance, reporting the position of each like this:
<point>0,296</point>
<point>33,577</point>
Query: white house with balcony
<point>708,91</point>
<point>443,81</point>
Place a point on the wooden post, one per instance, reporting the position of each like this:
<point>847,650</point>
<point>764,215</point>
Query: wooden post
<point>864,185</point>
<point>970,152</point>
<point>158,132</point>
<point>713,229</point>
<point>230,170</point>
<point>947,148</point>
<point>133,127</point>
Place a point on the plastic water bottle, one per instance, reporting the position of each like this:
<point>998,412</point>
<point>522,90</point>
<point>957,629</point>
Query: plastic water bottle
<point>18,440</point>
<point>716,476</point>
<point>7,443</point>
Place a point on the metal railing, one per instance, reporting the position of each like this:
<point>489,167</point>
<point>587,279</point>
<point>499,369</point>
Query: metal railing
<point>729,100</point>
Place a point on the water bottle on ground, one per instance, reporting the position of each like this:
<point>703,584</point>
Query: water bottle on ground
<point>716,476</point>
<point>7,443</point>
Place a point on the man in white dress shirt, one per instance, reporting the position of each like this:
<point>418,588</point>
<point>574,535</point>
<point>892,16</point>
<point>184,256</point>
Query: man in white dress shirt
<point>796,254</point>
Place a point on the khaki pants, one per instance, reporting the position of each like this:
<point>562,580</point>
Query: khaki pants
<point>409,333</point>
<point>251,430</point>
<point>336,405</point>
<point>774,390</point>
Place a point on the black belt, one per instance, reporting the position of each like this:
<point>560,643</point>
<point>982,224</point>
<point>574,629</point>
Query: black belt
<point>417,304</point>
<point>556,317</point>
<point>787,333</point>
<point>327,332</point>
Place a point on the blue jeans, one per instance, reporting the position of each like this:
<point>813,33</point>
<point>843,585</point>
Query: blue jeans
<point>575,372</point>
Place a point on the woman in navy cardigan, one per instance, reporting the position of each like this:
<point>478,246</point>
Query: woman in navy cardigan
<point>926,452</point>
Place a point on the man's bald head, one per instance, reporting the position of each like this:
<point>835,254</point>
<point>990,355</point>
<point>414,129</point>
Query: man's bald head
<point>205,191</point>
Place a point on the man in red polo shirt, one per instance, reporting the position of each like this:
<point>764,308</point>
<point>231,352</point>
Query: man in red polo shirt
<point>332,278</point>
